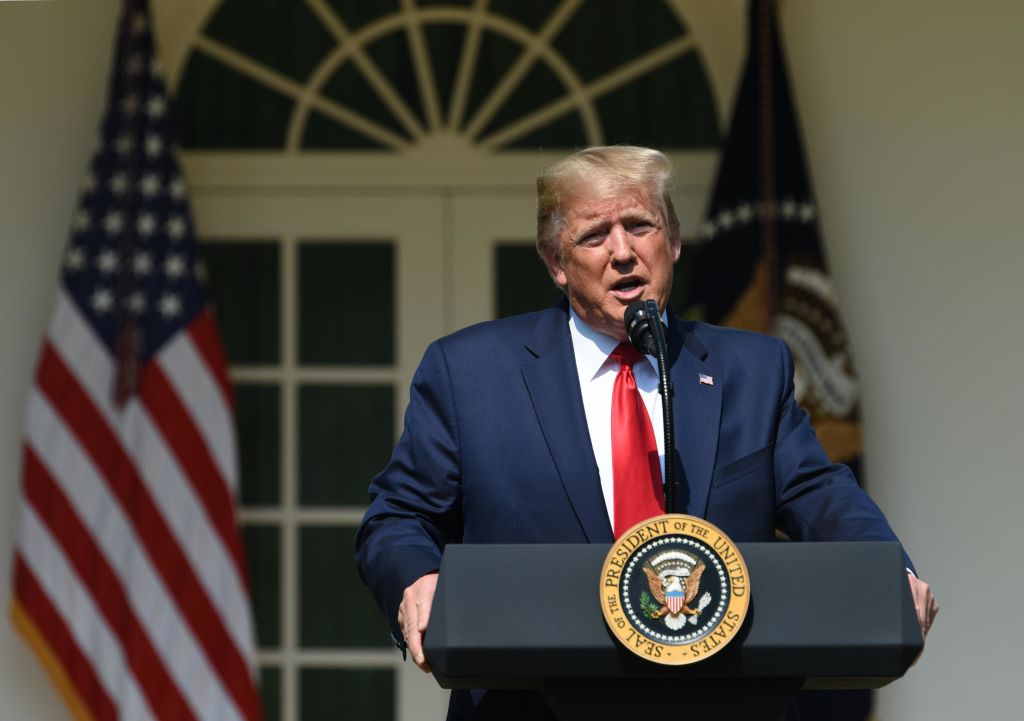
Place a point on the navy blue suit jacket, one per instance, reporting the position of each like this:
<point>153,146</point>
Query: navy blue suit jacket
<point>496,449</point>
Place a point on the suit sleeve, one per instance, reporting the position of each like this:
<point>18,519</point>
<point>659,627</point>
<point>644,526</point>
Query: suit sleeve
<point>415,502</point>
<point>817,500</point>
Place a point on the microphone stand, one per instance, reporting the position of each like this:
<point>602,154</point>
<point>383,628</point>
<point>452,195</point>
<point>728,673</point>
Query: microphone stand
<point>665,390</point>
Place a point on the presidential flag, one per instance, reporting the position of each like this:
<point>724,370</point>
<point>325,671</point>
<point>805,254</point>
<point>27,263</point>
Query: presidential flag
<point>759,262</point>
<point>129,575</point>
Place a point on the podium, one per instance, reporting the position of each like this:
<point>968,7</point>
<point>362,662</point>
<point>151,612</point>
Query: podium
<point>822,616</point>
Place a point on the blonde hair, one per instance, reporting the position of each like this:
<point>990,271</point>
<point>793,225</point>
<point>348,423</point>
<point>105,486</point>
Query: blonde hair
<point>609,169</point>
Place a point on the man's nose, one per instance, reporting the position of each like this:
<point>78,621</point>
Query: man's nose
<point>621,245</point>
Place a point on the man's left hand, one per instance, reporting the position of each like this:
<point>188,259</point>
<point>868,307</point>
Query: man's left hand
<point>924,602</point>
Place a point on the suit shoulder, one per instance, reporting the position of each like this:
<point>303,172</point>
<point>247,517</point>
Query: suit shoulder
<point>490,336</point>
<point>722,342</point>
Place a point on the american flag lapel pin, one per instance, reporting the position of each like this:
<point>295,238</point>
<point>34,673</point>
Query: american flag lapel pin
<point>706,380</point>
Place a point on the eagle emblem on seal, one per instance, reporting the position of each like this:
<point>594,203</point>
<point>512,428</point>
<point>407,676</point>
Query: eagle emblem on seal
<point>673,578</point>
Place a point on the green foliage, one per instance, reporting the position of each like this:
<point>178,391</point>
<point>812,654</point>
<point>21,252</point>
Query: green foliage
<point>648,606</point>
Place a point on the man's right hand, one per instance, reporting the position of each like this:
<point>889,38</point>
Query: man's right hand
<point>414,615</point>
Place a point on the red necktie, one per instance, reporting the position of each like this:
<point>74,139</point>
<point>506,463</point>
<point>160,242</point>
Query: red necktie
<point>636,467</point>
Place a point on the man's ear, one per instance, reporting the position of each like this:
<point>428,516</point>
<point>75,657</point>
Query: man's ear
<point>555,268</point>
<point>675,246</point>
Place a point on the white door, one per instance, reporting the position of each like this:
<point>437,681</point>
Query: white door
<point>327,301</point>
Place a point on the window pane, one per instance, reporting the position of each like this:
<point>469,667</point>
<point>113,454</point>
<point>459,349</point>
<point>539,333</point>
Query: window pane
<point>392,55</point>
<point>257,28</point>
<point>564,132</point>
<point>336,608</point>
<point>219,107</point>
<point>258,416</point>
<point>346,304</point>
<point>270,691</point>
<point>539,87</point>
<point>262,546</point>
<point>345,438</point>
<point>531,13</point>
<point>358,15</point>
<point>244,288</point>
<point>324,132</point>
<point>523,282</point>
<point>686,118</point>
<point>623,31</point>
<point>495,57</point>
<point>328,694</point>
<point>351,88</point>
<point>445,44</point>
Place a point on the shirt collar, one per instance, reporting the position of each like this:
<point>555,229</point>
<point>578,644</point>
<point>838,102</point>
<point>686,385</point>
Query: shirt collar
<point>592,347</point>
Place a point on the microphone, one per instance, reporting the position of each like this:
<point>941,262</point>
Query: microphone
<point>640,318</point>
<point>646,333</point>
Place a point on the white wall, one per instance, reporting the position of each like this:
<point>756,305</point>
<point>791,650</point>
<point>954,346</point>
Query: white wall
<point>913,119</point>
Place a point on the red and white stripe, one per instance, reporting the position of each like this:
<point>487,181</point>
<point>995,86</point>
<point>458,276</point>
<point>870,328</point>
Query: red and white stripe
<point>129,561</point>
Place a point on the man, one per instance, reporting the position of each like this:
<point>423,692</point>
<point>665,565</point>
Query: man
<point>511,437</point>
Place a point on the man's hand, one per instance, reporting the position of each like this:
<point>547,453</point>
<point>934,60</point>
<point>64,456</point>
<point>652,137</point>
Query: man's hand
<point>414,615</point>
<point>925,604</point>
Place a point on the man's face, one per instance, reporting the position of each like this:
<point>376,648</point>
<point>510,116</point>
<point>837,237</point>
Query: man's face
<point>615,250</point>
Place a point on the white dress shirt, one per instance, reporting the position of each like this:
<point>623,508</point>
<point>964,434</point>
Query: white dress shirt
<point>597,375</point>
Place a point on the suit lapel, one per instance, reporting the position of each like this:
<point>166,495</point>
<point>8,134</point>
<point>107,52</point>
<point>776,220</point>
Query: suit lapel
<point>554,387</point>
<point>698,411</point>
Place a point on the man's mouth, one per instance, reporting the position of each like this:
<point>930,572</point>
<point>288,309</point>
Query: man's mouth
<point>628,288</point>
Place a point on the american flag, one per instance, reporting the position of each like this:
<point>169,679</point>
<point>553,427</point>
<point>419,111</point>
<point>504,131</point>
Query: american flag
<point>129,576</point>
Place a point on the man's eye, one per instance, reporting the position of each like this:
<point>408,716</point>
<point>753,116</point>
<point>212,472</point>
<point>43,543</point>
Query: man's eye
<point>592,239</point>
<point>640,226</point>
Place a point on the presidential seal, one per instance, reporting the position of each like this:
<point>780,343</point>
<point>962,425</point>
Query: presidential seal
<point>674,589</point>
